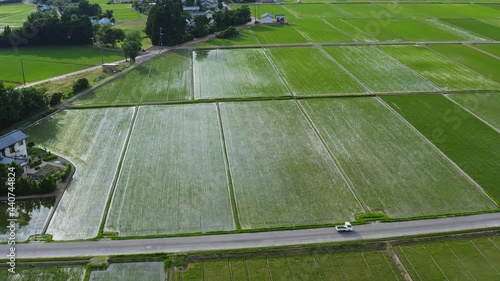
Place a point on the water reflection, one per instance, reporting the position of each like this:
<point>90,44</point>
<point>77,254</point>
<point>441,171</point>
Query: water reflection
<point>32,216</point>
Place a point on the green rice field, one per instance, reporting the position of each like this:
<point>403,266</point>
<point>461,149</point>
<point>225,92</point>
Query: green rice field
<point>377,265</point>
<point>131,271</point>
<point>378,71</point>
<point>296,181</point>
<point>467,141</point>
<point>219,74</point>
<point>473,59</point>
<point>92,140</point>
<point>173,181</point>
<point>486,30</point>
<point>44,62</point>
<point>486,106</point>
<point>167,78</point>
<point>311,72</point>
<point>474,259</point>
<point>372,146</point>
<point>14,15</point>
<point>492,49</point>
<point>444,72</point>
<point>44,273</point>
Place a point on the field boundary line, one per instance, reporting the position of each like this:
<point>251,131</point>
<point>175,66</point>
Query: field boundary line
<point>484,256</point>
<point>335,28</point>
<point>230,269</point>
<point>303,34</point>
<point>494,244</point>
<point>461,64</point>
<point>472,46</point>
<point>345,70</point>
<point>247,271</point>
<point>147,78</point>
<point>366,262</point>
<point>316,266</point>
<point>191,69</point>
<point>360,30</point>
<point>437,23</point>
<point>438,88</point>
<point>229,178</point>
<point>460,261</point>
<point>470,179</point>
<point>346,179</point>
<point>269,269</point>
<point>289,89</point>
<point>344,276</point>
<point>397,262</point>
<point>291,12</point>
<point>118,171</point>
<point>434,261</point>
<point>472,113</point>
<point>411,264</point>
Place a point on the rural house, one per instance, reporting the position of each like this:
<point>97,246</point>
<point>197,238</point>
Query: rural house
<point>280,18</point>
<point>267,18</point>
<point>13,148</point>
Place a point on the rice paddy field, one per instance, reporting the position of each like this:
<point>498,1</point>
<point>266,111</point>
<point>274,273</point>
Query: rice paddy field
<point>132,271</point>
<point>44,62</point>
<point>492,49</point>
<point>376,265</point>
<point>486,106</point>
<point>92,140</point>
<point>466,140</point>
<point>377,71</point>
<point>175,179</point>
<point>361,133</point>
<point>167,78</point>
<point>44,273</point>
<point>296,180</point>
<point>437,68</point>
<point>218,74</point>
<point>14,15</point>
<point>474,259</point>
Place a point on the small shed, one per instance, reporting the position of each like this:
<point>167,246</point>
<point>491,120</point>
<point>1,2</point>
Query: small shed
<point>280,18</point>
<point>267,18</point>
<point>110,67</point>
<point>104,21</point>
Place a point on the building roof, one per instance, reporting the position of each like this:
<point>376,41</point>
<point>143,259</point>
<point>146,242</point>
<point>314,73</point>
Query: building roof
<point>267,15</point>
<point>104,21</point>
<point>9,160</point>
<point>191,9</point>
<point>12,138</point>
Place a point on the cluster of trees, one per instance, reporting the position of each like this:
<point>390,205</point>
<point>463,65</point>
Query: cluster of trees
<point>167,25</point>
<point>24,185</point>
<point>73,27</point>
<point>17,104</point>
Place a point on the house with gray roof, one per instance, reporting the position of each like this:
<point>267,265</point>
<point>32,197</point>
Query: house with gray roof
<point>13,148</point>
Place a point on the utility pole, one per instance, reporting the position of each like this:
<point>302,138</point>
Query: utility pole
<point>161,36</point>
<point>102,57</point>
<point>22,69</point>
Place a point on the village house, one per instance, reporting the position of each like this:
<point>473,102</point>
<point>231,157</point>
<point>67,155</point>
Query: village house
<point>13,148</point>
<point>267,18</point>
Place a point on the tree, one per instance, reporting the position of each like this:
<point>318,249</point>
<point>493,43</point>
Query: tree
<point>132,45</point>
<point>201,27</point>
<point>80,84</point>
<point>189,3</point>
<point>108,35</point>
<point>167,16</point>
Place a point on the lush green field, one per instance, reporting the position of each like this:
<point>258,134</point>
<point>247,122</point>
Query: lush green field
<point>311,72</point>
<point>148,271</point>
<point>235,74</point>
<point>278,34</point>
<point>369,266</point>
<point>45,62</point>
<point>373,147</point>
<point>167,78</point>
<point>486,106</point>
<point>492,49</point>
<point>378,71</point>
<point>245,37</point>
<point>14,15</point>
<point>320,31</point>
<point>444,72</point>
<point>471,58</point>
<point>474,259</point>
<point>467,141</point>
<point>295,182</point>
<point>32,217</point>
<point>59,273</point>
<point>92,140</point>
<point>484,29</point>
<point>174,180</point>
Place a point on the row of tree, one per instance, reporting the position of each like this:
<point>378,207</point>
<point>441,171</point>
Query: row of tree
<point>167,23</point>
<point>24,185</point>
<point>17,104</point>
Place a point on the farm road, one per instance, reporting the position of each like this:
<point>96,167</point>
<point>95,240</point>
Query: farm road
<point>251,240</point>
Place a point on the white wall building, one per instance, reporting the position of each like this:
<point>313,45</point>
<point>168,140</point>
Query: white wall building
<point>13,148</point>
<point>267,18</point>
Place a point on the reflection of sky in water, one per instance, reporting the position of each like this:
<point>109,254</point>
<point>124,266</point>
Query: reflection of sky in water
<point>32,216</point>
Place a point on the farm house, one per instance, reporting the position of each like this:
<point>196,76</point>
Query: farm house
<point>267,18</point>
<point>13,148</point>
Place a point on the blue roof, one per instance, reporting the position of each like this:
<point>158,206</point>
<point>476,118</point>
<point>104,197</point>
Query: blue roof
<point>12,138</point>
<point>104,21</point>
<point>9,160</point>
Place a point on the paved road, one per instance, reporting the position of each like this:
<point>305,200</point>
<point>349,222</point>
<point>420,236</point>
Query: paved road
<point>251,240</point>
